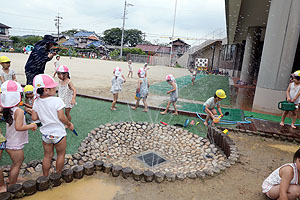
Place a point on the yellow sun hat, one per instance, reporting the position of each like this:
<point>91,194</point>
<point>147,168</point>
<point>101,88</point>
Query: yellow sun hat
<point>4,59</point>
<point>28,88</point>
<point>221,94</point>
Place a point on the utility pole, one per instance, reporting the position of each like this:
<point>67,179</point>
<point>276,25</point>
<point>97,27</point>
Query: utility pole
<point>173,34</point>
<point>122,38</point>
<point>57,24</point>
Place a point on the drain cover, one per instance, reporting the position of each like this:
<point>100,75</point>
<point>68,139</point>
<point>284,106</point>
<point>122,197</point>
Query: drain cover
<point>151,159</point>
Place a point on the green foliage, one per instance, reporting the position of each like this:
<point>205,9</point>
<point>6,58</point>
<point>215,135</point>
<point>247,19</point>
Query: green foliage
<point>114,54</point>
<point>178,66</point>
<point>32,40</point>
<point>133,51</point>
<point>132,37</point>
<point>19,42</point>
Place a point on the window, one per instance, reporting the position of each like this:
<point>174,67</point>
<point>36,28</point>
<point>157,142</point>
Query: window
<point>2,31</point>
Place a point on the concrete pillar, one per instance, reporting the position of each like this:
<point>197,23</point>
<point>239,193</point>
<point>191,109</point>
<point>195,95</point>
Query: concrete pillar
<point>278,54</point>
<point>252,41</point>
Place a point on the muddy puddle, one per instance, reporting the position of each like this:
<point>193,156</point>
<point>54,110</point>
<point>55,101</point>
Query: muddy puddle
<point>87,188</point>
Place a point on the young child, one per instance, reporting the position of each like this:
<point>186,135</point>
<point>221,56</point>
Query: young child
<point>283,183</point>
<point>292,94</point>
<point>211,103</point>
<point>142,90</point>
<point>194,74</point>
<point>116,85</point>
<point>2,147</point>
<point>56,64</point>
<point>16,127</point>
<point>146,68</point>
<point>49,110</point>
<point>130,69</point>
<point>29,98</point>
<point>173,94</point>
<point>66,89</point>
<point>6,73</point>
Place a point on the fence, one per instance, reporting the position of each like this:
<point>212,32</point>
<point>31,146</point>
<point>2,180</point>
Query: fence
<point>152,60</point>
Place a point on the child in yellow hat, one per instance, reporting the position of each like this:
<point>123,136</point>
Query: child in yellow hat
<point>29,98</point>
<point>6,73</point>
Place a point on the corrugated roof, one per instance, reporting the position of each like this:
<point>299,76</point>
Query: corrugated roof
<point>96,44</point>
<point>70,42</point>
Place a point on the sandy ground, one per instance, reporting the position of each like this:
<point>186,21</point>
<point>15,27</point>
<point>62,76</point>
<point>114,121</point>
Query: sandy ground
<point>93,77</point>
<point>241,181</point>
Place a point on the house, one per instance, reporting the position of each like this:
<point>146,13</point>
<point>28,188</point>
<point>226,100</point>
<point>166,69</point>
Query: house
<point>4,34</point>
<point>154,49</point>
<point>84,38</point>
<point>179,47</point>
<point>62,38</point>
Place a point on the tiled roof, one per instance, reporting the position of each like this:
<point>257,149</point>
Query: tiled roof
<point>96,44</point>
<point>70,42</point>
<point>4,26</point>
<point>83,34</point>
<point>93,37</point>
<point>153,48</point>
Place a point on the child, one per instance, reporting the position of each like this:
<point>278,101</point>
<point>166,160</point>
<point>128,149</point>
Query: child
<point>293,93</point>
<point>146,68</point>
<point>56,64</point>
<point>66,89</point>
<point>130,69</point>
<point>2,147</point>
<point>211,103</point>
<point>194,74</point>
<point>6,72</point>
<point>283,183</point>
<point>116,86</point>
<point>142,90</point>
<point>29,98</point>
<point>49,110</point>
<point>16,127</point>
<point>173,94</point>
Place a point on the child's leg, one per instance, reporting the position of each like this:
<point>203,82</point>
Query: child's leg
<point>131,74</point>
<point>67,112</point>
<point>61,152</point>
<point>167,108</point>
<point>206,119</point>
<point>114,101</point>
<point>145,104</point>
<point>284,114</point>
<point>17,157</point>
<point>294,118</point>
<point>175,108</point>
<point>136,104</point>
<point>2,184</point>
<point>48,155</point>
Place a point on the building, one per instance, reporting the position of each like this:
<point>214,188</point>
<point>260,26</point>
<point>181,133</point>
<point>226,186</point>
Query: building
<point>4,34</point>
<point>156,50</point>
<point>269,30</point>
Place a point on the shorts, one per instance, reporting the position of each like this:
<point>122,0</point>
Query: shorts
<point>2,145</point>
<point>50,139</point>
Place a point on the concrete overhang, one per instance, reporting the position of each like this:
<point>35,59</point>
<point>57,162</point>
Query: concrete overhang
<point>241,14</point>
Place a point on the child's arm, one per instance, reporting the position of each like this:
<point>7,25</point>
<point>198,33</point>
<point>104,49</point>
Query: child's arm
<point>34,115</point>
<point>2,79</point>
<point>139,86</point>
<point>287,175</point>
<point>209,112</point>
<point>124,78</point>
<point>64,120</point>
<point>26,104</point>
<point>19,122</point>
<point>220,111</point>
<point>288,93</point>
<point>14,78</point>
<point>173,89</point>
<point>71,86</point>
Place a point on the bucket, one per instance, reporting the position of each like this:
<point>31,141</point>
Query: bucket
<point>286,106</point>
<point>216,119</point>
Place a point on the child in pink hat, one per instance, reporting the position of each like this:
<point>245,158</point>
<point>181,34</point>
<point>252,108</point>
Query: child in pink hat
<point>66,89</point>
<point>173,94</point>
<point>116,85</point>
<point>49,109</point>
<point>16,127</point>
<point>142,90</point>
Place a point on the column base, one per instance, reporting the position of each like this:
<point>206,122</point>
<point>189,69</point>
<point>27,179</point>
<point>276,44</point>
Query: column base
<point>266,100</point>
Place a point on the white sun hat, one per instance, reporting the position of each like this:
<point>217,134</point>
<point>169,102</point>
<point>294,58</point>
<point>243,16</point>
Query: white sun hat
<point>117,71</point>
<point>142,72</point>
<point>170,77</point>
<point>10,94</point>
<point>44,81</point>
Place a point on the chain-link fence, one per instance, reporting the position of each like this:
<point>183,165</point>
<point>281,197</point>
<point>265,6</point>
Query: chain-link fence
<point>152,60</point>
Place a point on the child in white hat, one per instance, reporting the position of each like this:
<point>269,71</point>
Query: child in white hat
<point>49,109</point>
<point>16,127</point>
<point>130,72</point>
<point>116,85</point>
<point>66,89</point>
<point>173,94</point>
<point>142,90</point>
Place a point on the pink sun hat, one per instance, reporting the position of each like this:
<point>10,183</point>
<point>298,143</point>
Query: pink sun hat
<point>170,77</point>
<point>117,71</point>
<point>44,81</point>
<point>142,72</point>
<point>10,94</point>
<point>62,68</point>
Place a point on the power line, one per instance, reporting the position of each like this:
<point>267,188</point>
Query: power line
<point>40,18</point>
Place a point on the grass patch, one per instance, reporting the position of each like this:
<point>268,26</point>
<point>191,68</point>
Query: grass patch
<point>89,114</point>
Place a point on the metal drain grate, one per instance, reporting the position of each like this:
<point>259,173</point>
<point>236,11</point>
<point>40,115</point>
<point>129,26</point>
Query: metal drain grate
<point>151,159</point>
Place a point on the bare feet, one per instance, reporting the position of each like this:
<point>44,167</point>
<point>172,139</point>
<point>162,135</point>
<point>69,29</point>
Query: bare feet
<point>113,109</point>
<point>3,188</point>
<point>205,123</point>
<point>133,108</point>
<point>293,126</point>
<point>281,123</point>
<point>163,113</point>
<point>175,113</point>
<point>145,111</point>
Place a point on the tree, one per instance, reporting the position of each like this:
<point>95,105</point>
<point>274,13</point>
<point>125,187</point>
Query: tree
<point>32,40</point>
<point>132,37</point>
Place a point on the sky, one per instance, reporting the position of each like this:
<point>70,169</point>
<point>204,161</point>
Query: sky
<point>195,20</point>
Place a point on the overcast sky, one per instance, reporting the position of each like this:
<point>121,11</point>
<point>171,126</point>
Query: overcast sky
<point>194,18</point>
